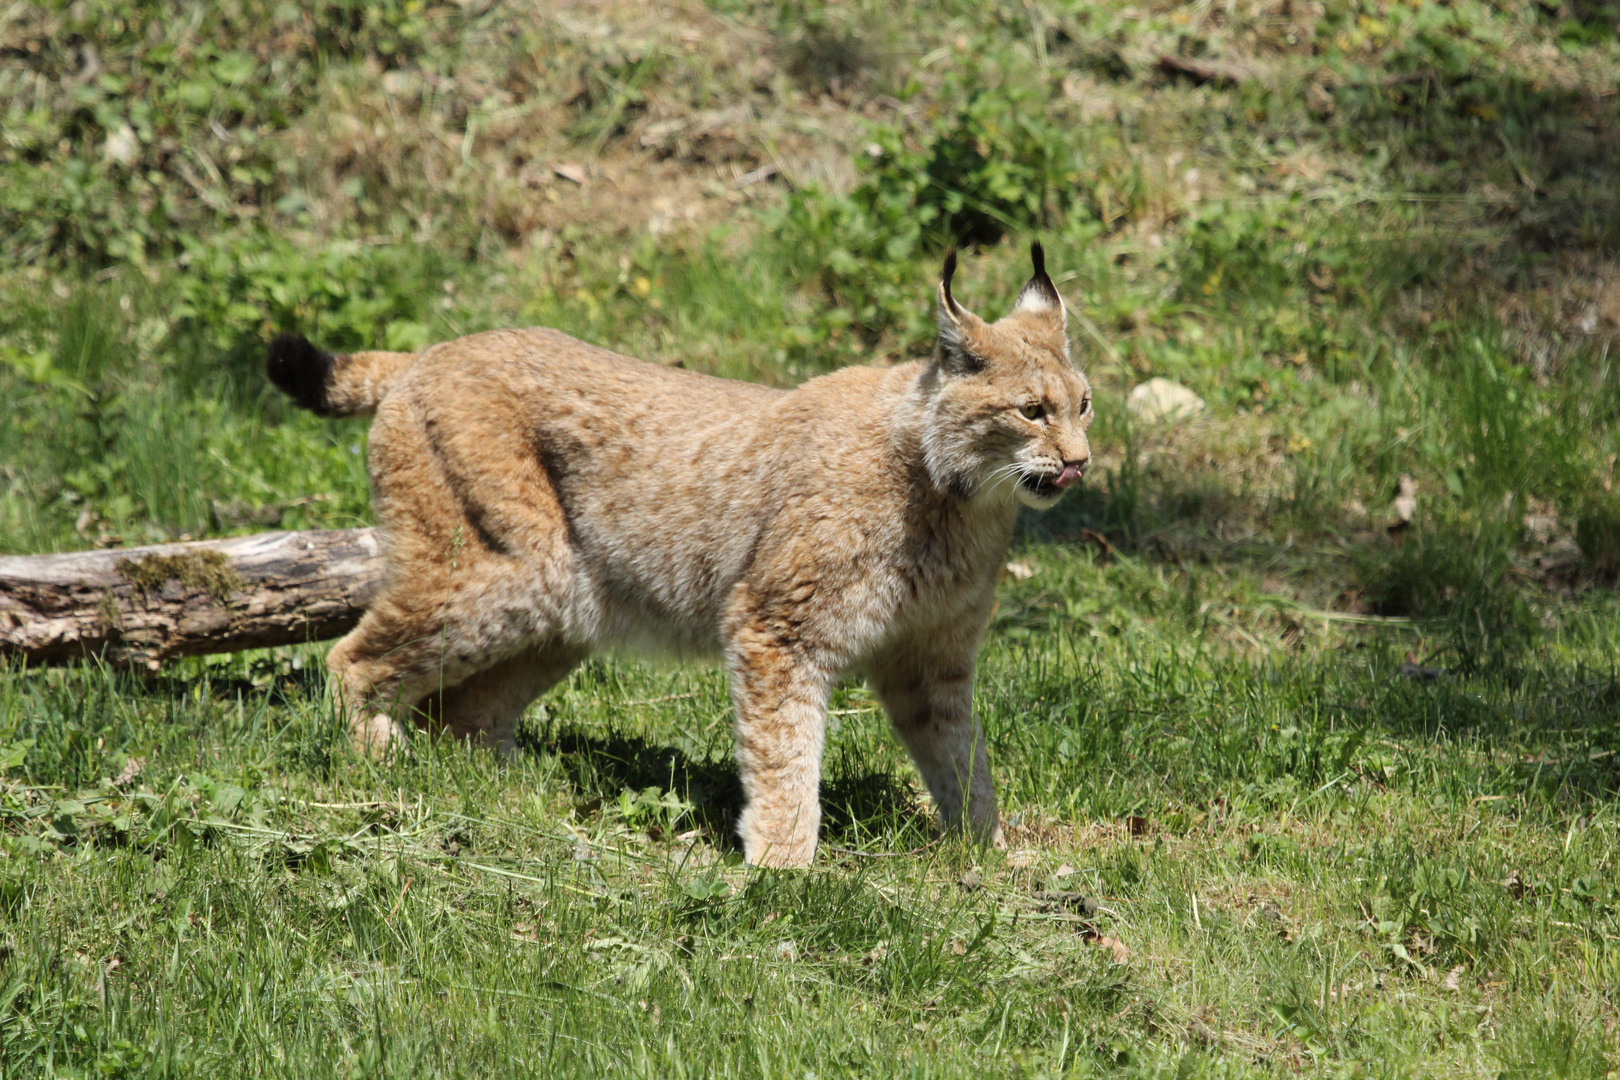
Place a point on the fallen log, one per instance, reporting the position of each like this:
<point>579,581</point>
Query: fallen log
<point>142,606</point>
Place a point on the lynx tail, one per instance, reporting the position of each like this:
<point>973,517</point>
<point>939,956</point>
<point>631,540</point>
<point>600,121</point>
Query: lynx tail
<point>346,384</point>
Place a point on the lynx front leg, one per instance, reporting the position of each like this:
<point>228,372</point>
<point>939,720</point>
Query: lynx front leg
<point>930,704</point>
<point>781,727</point>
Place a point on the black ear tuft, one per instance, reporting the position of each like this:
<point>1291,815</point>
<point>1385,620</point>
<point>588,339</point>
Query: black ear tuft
<point>951,351</point>
<point>301,371</point>
<point>1038,293</point>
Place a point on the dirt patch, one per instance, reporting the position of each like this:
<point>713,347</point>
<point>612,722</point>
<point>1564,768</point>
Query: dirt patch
<point>607,118</point>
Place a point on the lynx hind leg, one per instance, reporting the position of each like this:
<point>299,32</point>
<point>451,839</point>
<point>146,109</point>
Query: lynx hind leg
<point>484,709</point>
<point>478,572</point>
<point>385,668</point>
<point>930,705</point>
<point>466,637</point>
<point>781,727</point>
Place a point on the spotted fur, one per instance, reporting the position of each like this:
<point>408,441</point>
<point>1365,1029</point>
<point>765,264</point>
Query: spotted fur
<point>541,498</point>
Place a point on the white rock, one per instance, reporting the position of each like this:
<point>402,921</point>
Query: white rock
<point>1405,504</point>
<point>122,146</point>
<point>1163,401</point>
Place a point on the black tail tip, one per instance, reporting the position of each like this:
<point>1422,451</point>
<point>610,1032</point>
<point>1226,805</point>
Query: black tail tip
<point>300,370</point>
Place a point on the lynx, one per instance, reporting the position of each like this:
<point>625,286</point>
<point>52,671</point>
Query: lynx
<point>540,498</point>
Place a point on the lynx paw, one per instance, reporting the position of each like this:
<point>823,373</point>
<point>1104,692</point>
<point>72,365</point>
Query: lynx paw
<point>374,736</point>
<point>790,844</point>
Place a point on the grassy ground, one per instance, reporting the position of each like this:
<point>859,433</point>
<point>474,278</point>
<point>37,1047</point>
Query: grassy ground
<point>1295,786</point>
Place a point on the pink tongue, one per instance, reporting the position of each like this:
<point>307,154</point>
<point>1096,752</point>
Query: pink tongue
<point>1069,475</point>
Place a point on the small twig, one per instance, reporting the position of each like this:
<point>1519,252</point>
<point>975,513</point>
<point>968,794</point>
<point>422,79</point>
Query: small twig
<point>1406,77</point>
<point>764,172</point>
<point>1296,608</point>
<point>400,902</point>
<point>1094,537</point>
<point>1048,916</point>
<point>525,877</point>
<point>1215,72</point>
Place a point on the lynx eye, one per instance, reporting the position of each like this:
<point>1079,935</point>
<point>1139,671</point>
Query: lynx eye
<point>1033,411</point>
<point>1085,405</point>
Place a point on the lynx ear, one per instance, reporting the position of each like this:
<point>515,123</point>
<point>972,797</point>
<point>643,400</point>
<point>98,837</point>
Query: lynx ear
<point>952,351</point>
<point>1039,294</point>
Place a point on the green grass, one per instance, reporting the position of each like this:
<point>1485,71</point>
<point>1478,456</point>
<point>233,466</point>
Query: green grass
<point>1344,798</point>
<point>1350,838</point>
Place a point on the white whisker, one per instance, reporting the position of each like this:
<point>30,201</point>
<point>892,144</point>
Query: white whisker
<point>1014,470</point>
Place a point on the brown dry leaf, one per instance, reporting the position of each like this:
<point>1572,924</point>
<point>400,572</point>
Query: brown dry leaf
<point>1319,99</point>
<point>1119,951</point>
<point>1077,87</point>
<point>1269,916</point>
<point>569,171</point>
<point>1608,303</point>
<point>112,964</point>
<point>1198,1027</point>
<point>1063,871</point>
<point>1453,979</point>
<point>1056,899</point>
<point>1293,634</point>
<point>132,768</point>
<point>1514,883</point>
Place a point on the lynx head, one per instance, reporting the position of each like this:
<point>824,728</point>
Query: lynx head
<point>1007,411</point>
